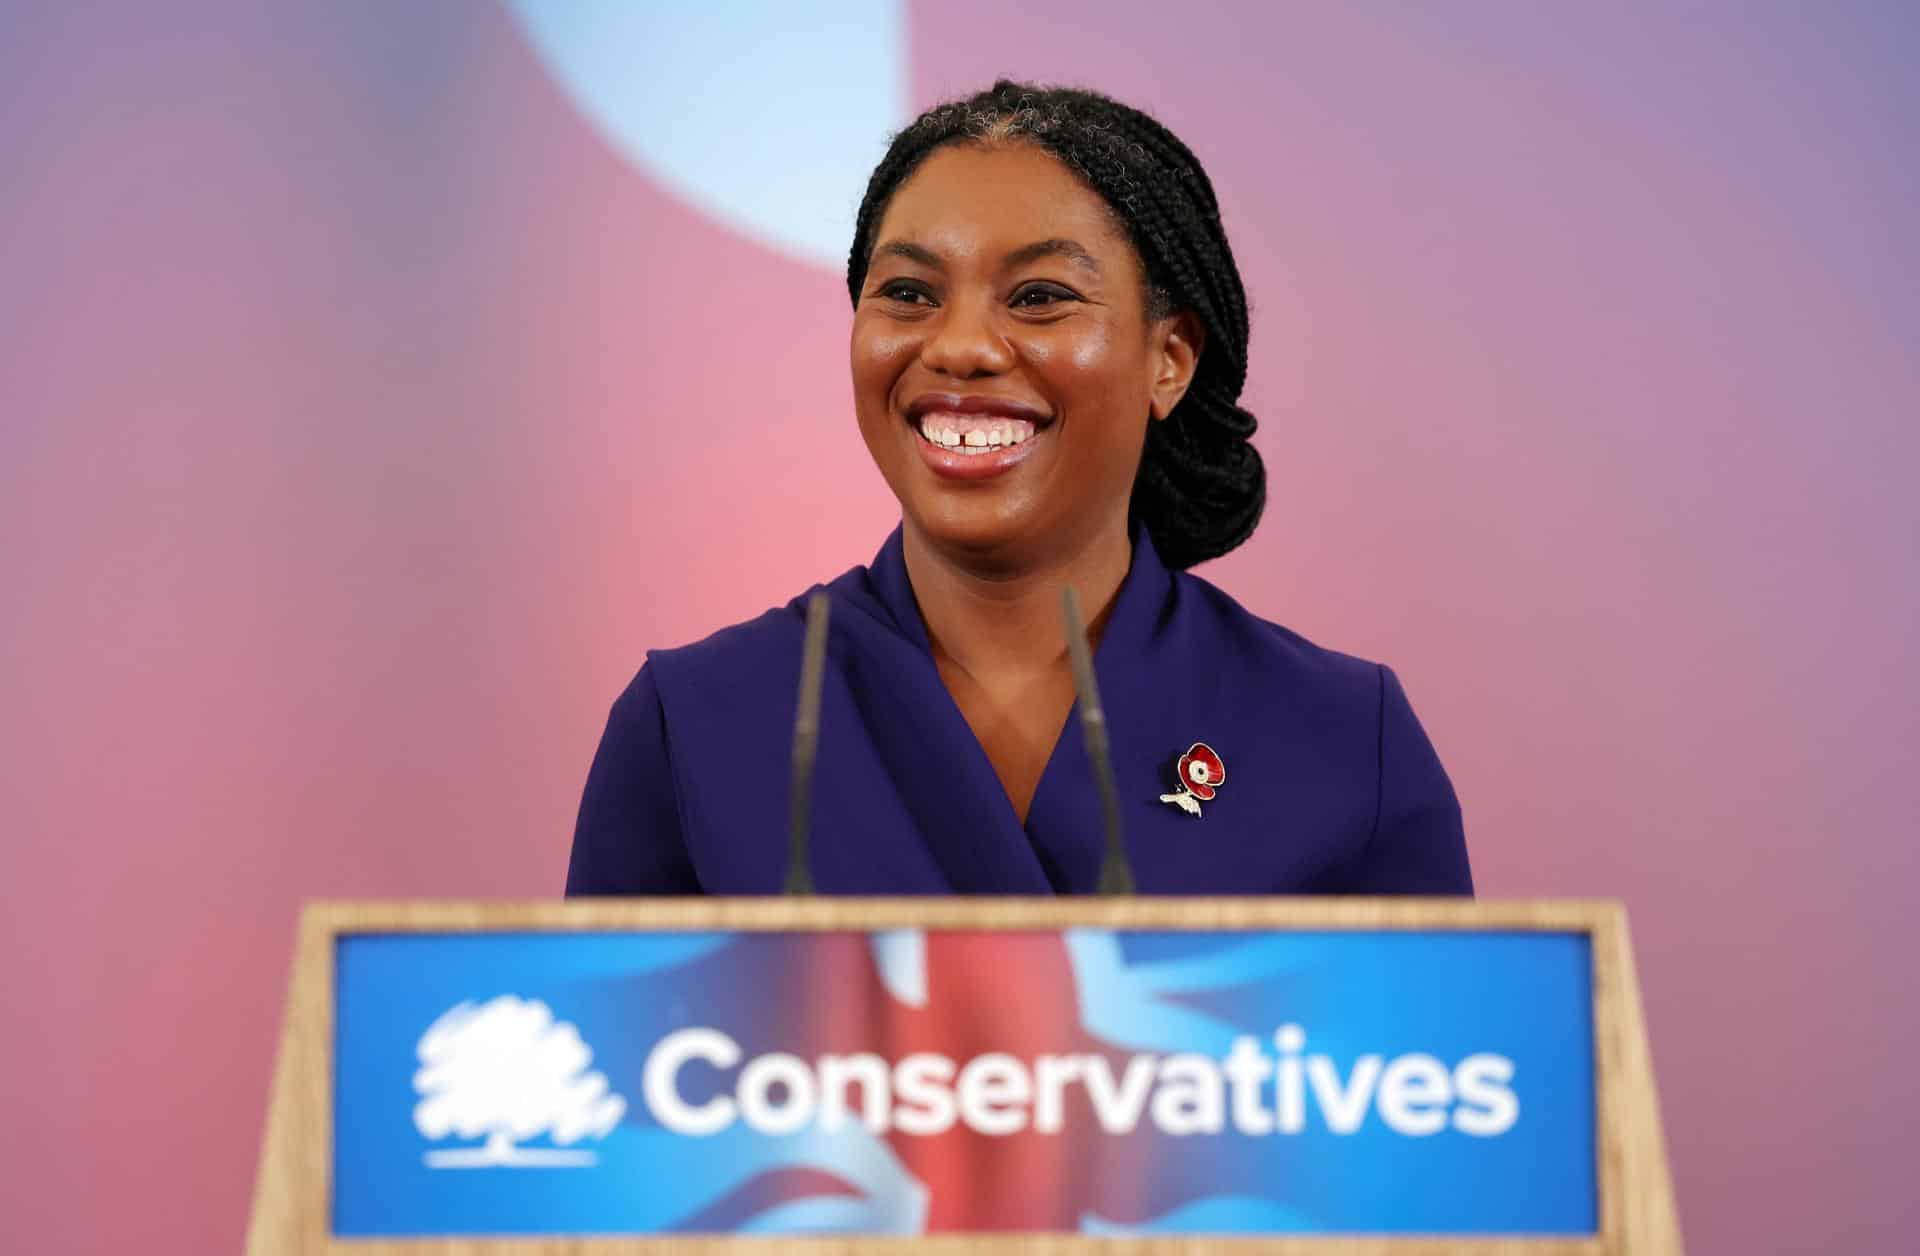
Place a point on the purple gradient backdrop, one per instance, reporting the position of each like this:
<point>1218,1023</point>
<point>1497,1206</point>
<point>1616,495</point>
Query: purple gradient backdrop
<point>364,416</point>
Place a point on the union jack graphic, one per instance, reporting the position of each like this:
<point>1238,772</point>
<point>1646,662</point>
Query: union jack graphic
<point>964,994</point>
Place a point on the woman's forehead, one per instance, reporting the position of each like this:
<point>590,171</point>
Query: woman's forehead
<point>979,203</point>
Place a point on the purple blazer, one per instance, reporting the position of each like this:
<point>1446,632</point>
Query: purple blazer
<point>1331,785</point>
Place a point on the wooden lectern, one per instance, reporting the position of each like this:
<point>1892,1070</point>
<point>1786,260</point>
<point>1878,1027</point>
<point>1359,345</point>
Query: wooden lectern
<point>757,1075</point>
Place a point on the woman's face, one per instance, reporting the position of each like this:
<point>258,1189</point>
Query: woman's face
<point>1004,369</point>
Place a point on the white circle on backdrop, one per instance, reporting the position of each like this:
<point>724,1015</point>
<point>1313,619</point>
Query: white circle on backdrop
<point>765,116</point>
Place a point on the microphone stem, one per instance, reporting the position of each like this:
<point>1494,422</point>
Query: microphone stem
<point>1116,872</point>
<point>806,743</point>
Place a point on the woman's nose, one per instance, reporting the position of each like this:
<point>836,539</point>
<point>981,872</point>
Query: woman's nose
<point>964,342</point>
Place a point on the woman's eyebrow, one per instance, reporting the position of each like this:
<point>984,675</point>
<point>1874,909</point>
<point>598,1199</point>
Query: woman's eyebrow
<point>920,254</point>
<point>1072,250</point>
<point>912,252</point>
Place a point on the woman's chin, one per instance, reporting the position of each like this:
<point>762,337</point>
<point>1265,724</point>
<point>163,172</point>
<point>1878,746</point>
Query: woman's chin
<point>975,531</point>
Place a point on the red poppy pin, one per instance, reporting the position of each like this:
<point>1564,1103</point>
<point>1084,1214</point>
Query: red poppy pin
<point>1201,772</point>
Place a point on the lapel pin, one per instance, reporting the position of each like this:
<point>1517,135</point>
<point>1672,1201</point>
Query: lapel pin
<point>1201,772</point>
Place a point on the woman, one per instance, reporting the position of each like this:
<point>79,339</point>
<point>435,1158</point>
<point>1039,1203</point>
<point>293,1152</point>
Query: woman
<point>1049,338</point>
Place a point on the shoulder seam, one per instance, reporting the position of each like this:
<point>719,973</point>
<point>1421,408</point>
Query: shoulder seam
<point>1380,755</point>
<point>673,767</point>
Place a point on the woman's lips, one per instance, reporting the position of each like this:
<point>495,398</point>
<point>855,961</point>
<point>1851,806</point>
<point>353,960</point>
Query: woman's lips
<point>973,446</point>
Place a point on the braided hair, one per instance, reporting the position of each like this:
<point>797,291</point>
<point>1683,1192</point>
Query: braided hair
<point>1201,484</point>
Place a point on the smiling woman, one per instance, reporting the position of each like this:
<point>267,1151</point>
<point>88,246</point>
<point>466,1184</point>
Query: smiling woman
<point>1003,300</point>
<point>1049,341</point>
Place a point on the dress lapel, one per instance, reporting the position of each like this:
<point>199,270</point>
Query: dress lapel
<point>936,766</point>
<point>942,777</point>
<point>1065,823</point>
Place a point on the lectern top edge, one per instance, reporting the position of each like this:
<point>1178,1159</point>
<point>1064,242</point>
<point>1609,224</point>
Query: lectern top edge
<point>806,914</point>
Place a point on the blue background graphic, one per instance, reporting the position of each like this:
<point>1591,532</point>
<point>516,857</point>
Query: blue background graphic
<point>1526,996</point>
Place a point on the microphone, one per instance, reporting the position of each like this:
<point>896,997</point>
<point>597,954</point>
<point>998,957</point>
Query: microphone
<point>1116,873</point>
<point>806,742</point>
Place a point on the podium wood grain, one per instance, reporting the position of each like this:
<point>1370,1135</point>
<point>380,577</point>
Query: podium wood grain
<point>1637,1211</point>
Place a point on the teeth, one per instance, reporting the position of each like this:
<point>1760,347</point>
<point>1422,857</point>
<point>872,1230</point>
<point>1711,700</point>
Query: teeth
<point>971,435</point>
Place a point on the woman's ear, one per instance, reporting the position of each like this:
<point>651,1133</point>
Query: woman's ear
<point>1175,351</point>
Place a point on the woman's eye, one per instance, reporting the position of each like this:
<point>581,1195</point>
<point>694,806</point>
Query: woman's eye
<point>911,294</point>
<point>1039,296</point>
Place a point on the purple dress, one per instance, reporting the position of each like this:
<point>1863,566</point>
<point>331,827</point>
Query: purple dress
<point>1331,786</point>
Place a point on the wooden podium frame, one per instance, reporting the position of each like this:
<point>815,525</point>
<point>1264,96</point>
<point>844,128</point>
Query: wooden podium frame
<point>292,1194</point>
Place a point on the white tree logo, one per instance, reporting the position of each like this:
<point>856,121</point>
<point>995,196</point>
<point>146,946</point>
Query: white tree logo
<point>505,1070</point>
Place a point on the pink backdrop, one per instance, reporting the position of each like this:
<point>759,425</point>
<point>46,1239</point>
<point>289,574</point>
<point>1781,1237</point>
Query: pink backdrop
<point>365,414</point>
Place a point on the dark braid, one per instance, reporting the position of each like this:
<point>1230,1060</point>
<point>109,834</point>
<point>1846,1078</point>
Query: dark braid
<point>1201,484</point>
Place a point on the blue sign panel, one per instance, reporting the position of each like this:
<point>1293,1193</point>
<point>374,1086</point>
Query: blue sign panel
<point>905,1082</point>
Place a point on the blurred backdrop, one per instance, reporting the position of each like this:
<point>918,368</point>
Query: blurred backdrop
<point>378,381</point>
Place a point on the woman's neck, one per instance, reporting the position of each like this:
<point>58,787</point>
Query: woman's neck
<point>996,624</point>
